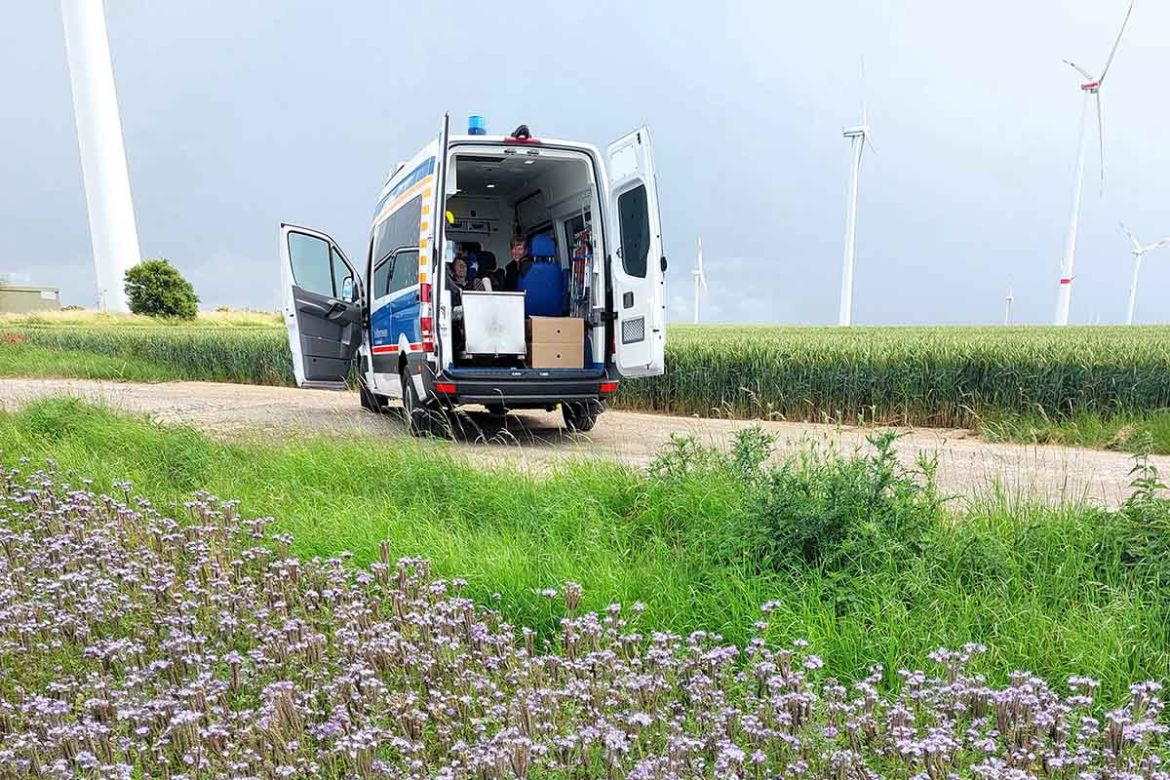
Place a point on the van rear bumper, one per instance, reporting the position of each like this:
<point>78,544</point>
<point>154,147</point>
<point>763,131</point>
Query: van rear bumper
<point>520,393</point>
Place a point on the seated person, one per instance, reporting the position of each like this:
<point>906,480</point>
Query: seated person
<point>457,280</point>
<point>520,264</point>
<point>457,283</point>
<point>459,272</point>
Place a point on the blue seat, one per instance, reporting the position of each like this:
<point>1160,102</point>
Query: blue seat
<point>543,283</point>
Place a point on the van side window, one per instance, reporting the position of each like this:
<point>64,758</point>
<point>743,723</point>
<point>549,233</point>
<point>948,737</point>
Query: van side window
<point>311,267</point>
<point>635,225</point>
<point>382,279</point>
<point>340,272</point>
<point>405,272</point>
<point>398,230</point>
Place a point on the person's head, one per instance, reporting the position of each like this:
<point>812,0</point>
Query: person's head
<point>459,269</point>
<point>519,248</point>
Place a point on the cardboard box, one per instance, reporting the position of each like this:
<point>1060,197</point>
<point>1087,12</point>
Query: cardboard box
<point>555,330</point>
<point>555,342</point>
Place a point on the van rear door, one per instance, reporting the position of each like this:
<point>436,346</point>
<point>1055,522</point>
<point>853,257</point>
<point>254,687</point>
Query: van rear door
<point>637,264</point>
<point>322,307</point>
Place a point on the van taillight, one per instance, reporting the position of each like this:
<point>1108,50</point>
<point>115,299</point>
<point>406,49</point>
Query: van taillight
<point>426,323</point>
<point>608,388</point>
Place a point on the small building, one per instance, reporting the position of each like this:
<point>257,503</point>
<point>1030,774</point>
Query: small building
<point>21,299</point>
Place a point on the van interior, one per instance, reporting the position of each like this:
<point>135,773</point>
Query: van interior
<point>542,314</point>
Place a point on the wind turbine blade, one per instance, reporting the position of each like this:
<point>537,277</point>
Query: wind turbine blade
<point>1159,245</point>
<point>864,106</point>
<point>868,142</point>
<point>703,282</point>
<point>1132,239</point>
<point>1088,76</point>
<point>1101,138</point>
<point>1117,43</point>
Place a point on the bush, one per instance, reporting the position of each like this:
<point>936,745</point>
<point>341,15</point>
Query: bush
<point>156,288</point>
<point>821,509</point>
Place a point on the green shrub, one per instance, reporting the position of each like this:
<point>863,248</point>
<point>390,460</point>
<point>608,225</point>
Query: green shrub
<point>820,509</point>
<point>156,288</point>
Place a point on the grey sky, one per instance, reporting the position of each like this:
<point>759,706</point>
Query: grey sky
<point>238,115</point>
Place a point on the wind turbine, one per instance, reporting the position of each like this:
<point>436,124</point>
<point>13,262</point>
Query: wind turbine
<point>858,138</point>
<point>1092,89</point>
<point>1139,253</point>
<point>112,229</point>
<point>1007,312</point>
<point>700,279</point>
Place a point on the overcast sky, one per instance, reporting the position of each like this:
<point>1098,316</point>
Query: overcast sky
<point>240,115</point>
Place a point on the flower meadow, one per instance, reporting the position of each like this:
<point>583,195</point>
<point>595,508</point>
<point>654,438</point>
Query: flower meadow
<point>137,645</point>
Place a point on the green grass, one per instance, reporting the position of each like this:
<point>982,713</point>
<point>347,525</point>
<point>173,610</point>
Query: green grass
<point>1086,386</point>
<point>1127,432</point>
<point>25,360</point>
<point>247,355</point>
<point>864,565</point>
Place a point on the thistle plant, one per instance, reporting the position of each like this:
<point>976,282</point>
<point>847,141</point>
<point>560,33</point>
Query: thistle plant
<point>133,644</point>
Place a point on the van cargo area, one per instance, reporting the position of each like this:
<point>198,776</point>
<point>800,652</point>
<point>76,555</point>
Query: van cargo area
<point>539,317</point>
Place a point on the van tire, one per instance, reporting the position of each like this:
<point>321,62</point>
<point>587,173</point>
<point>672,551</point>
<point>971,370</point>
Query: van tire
<point>419,418</point>
<point>580,418</point>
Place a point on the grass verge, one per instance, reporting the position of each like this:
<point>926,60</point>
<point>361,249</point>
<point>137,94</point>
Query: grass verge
<point>1125,432</point>
<point>858,557</point>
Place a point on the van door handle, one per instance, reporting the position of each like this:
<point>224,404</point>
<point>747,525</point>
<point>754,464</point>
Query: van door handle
<point>663,263</point>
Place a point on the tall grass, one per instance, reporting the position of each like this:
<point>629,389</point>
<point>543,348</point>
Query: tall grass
<point>248,354</point>
<point>862,558</point>
<point>938,376</point>
<point>941,376</point>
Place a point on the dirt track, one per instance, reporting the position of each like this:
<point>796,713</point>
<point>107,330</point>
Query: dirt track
<point>967,466</point>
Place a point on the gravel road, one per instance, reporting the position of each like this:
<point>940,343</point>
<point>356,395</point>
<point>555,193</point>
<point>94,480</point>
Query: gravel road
<point>967,466</point>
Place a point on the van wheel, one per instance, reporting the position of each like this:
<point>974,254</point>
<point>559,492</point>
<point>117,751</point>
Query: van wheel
<point>372,401</point>
<point>580,417</point>
<point>420,419</point>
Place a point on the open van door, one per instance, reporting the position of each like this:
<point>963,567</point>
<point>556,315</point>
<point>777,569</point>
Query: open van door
<point>322,307</point>
<point>637,264</point>
<point>435,326</point>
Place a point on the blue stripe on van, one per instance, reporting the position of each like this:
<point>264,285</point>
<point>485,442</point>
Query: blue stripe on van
<point>424,169</point>
<point>394,318</point>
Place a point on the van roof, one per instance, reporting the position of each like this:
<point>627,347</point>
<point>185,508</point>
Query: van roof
<point>501,140</point>
<point>536,141</point>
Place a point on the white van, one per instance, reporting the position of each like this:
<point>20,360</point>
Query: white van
<point>584,307</point>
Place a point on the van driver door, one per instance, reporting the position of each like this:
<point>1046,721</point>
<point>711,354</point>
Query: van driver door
<point>322,307</point>
<point>637,263</point>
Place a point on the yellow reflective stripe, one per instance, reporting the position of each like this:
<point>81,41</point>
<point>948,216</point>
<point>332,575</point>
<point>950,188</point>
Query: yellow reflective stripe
<point>404,197</point>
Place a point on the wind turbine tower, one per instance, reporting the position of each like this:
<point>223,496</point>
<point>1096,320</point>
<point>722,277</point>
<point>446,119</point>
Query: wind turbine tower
<point>1007,312</point>
<point>1091,88</point>
<point>858,138</point>
<point>700,279</point>
<point>103,157</point>
<point>1139,254</point>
